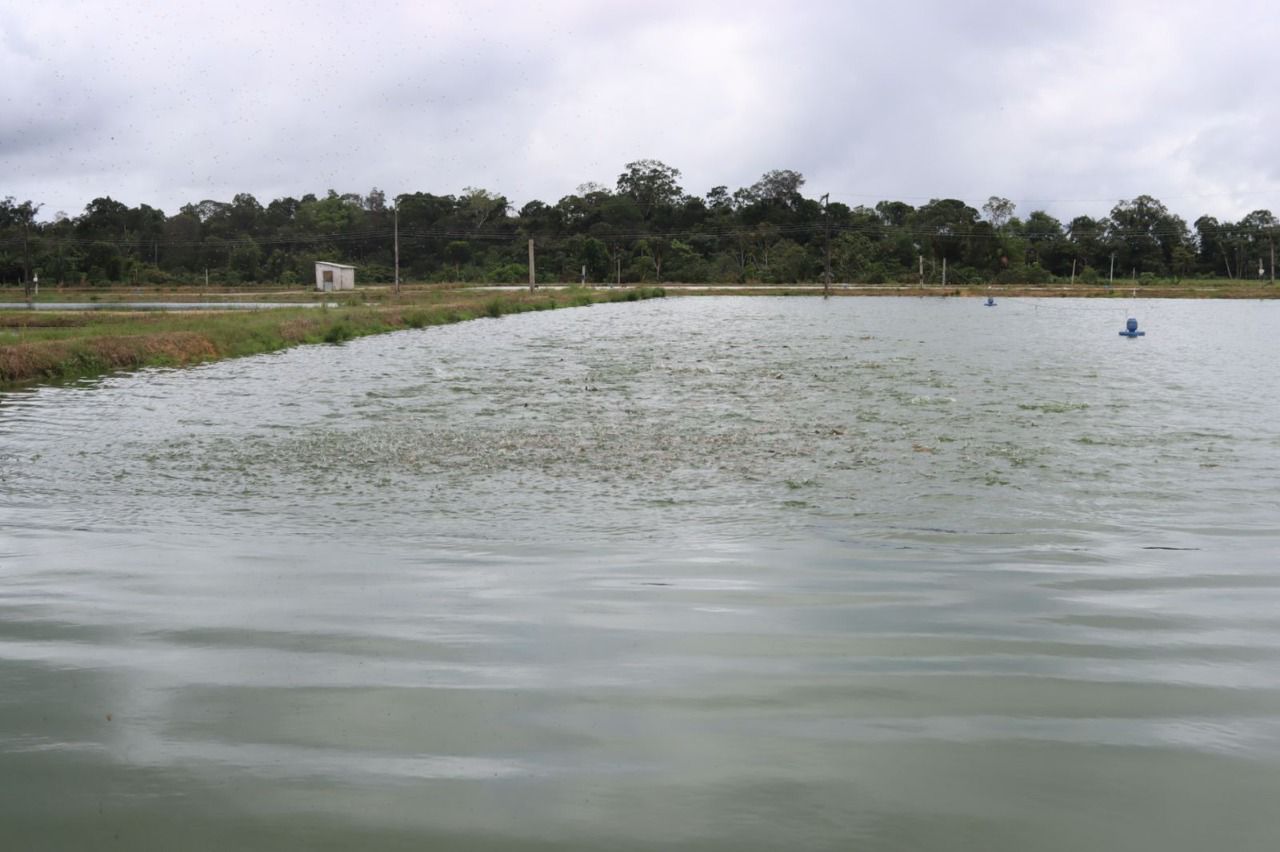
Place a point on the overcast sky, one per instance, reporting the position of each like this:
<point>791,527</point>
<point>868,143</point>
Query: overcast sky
<point>1064,106</point>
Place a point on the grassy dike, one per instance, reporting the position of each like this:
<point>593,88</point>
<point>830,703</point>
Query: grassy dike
<point>1196,289</point>
<point>55,346</point>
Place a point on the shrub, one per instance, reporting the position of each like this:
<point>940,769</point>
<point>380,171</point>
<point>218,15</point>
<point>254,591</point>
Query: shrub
<point>1037,275</point>
<point>339,332</point>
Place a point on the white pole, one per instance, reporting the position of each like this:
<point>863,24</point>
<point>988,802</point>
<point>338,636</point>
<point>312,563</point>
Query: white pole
<point>826,248</point>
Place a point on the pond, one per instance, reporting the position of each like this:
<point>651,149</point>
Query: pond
<point>706,573</point>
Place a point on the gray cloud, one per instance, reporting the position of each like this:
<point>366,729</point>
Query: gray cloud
<point>1067,106</point>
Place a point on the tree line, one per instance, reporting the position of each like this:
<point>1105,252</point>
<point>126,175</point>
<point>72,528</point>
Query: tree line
<point>644,229</point>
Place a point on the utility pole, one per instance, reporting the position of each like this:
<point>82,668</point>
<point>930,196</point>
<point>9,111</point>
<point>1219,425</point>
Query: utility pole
<point>944,270</point>
<point>1073,272</point>
<point>532,275</point>
<point>617,259</point>
<point>26,256</point>
<point>395,218</point>
<point>826,245</point>
<point>1272,240</point>
<point>27,211</point>
<point>1111,276</point>
<point>921,259</point>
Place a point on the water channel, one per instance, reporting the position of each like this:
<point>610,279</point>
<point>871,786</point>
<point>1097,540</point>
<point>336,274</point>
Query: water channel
<point>702,573</point>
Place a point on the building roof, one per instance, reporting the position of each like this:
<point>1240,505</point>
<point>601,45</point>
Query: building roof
<point>339,265</point>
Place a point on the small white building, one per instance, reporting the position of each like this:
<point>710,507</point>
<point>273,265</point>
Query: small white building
<point>334,276</point>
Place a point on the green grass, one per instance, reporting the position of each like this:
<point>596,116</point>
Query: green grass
<point>58,346</point>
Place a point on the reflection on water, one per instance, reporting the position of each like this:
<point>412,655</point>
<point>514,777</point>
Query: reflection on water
<point>716,574</point>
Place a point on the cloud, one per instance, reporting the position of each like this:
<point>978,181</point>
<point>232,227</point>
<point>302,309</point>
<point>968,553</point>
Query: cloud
<point>1066,106</point>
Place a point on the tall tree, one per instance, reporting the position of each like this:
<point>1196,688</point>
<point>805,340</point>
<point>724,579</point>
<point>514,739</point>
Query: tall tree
<point>480,207</point>
<point>1145,233</point>
<point>946,225</point>
<point>779,187</point>
<point>1087,237</point>
<point>650,184</point>
<point>998,211</point>
<point>1045,243</point>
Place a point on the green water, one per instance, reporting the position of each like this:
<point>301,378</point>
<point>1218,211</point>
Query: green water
<point>881,574</point>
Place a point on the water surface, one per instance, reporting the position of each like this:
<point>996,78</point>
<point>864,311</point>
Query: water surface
<point>704,573</point>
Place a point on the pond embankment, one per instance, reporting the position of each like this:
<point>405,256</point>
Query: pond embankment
<point>53,346</point>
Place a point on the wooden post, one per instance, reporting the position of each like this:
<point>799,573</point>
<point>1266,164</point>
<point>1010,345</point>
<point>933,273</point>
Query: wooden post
<point>532,275</point>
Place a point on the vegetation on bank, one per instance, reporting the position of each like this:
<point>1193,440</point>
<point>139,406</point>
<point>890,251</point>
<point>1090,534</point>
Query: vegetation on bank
<point>644,229</point>
<point>1161,289</point>
<point>52,346</point>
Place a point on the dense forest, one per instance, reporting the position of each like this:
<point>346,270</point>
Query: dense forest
<point>644,229</point>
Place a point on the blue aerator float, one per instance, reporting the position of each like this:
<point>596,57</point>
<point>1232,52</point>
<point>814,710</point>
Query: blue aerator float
<point>1131,328</point>
<point>990,302</point>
